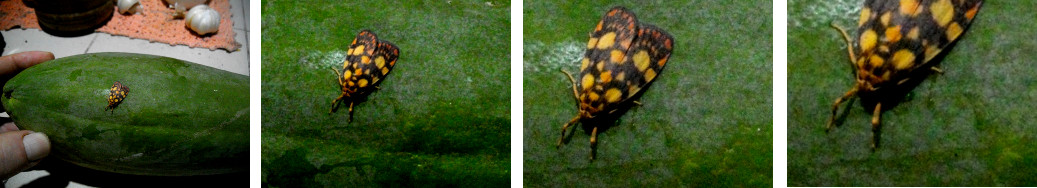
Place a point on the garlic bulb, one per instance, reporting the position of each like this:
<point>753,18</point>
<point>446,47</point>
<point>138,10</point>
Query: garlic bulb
<point>203,20</point>
<point>183,5</point>
<point>128,6</point>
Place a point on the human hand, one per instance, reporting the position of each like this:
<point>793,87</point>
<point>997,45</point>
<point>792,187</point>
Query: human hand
<point>20,149</point>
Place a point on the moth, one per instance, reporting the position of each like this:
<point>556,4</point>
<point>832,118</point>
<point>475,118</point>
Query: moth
<point>896,42</point>
<point>367,63</point>
<point>623,57</point>
<point>115,95</point>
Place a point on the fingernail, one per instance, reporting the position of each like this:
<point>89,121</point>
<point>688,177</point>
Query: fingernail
<point>37,146</point>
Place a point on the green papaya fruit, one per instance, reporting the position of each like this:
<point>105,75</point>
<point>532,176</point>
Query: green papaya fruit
<point>175,119</point>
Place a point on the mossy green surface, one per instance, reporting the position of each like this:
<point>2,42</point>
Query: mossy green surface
<point>973,125</point>
<point>706,120</point>
<point>441,117</point>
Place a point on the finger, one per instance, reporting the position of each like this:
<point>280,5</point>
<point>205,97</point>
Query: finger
<point>15,63</point>
<point>8,127</point>
<point>19,150</point>
<point>12,153</point>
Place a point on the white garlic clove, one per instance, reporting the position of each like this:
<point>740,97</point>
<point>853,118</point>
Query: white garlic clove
<point>183,5</point>
<point>128,6</point>
<point>203,20</point>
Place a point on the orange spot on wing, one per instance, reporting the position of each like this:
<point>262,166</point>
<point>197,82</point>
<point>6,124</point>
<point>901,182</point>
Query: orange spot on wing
<point>909,7</point>
<point>865,15</point>
<point>971,13</point>
<point>606,76</point>
<point>893,34</point>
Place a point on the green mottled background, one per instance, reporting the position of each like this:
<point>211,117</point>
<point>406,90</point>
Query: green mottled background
<point>441,117</point>
<point>971,126</point>
<point>706,121</point>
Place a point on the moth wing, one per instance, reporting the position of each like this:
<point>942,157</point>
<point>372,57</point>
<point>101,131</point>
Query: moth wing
<point>952,17</point>
<point>384,60</point>
<point>646,59</point>
<point>619,22</point>
<point>614,33</point>
<point>361,49</point>
<point>363,45</point>
<point>118,90</point>
<point>606,49</point>
<point>908,34</point>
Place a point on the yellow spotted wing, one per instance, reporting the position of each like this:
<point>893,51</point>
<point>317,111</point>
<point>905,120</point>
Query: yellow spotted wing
<point>622,57</point>
<point>895,38</point>
<point>116,94</point>
<point>368,61</point>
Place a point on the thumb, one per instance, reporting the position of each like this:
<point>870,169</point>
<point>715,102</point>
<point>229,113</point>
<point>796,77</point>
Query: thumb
<point>20,150</point>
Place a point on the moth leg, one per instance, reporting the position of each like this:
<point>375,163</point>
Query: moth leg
<point>835,107</point>
<point>566,126</point>
<point>936,69</point>
<point>638,103</point>
<point>334,103</point>
<point>351,111</point>
<point>576,95</point>
<point>594,142</point>
<point>849,44</point>
<point>875,126</point>
<point>901,82</point>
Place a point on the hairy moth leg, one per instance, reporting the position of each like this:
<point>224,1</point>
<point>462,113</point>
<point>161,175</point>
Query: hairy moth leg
<point>351,110</point>
<point>835,107</point>
<point>566,126</point>
<point>876,125</point>
<point>594,142</point>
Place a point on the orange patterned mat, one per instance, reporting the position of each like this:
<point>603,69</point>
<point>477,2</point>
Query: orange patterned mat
<point>153,21</point>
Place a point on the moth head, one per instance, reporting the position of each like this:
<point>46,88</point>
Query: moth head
<point>865,86</point>
<point>587,111</point>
